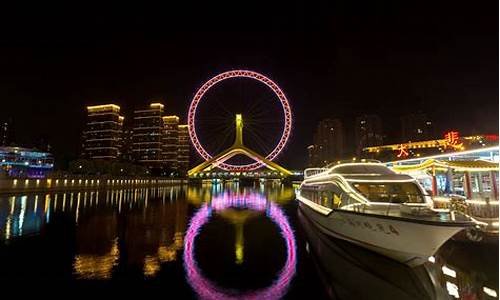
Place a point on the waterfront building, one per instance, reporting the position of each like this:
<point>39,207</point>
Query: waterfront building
<point>127,153</point>
<point>417,127</point>
<point>4,134</point>
<point>328,142</point>
<point>312,155</point>
<point>452,141</point>
<point>171,141</point>
<point>367,132</point>
<point>25,162</point>
<point>148,136</point>
<point>184,148</point>
<point>102,137</point>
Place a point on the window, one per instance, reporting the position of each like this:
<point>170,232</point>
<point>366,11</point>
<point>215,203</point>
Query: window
<point>391,192</point>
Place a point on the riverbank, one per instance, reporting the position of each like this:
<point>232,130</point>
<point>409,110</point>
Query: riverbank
<point>13,185</point>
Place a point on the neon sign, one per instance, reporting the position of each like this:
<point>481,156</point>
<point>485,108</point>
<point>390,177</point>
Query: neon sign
<point>403,151</point>
<point>452,139</point>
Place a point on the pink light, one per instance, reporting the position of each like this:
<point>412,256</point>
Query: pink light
<point>237,74</point>
<point>254,201</point>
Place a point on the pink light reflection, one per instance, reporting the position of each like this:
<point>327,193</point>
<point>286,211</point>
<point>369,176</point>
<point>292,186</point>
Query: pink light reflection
<point>254,201</point>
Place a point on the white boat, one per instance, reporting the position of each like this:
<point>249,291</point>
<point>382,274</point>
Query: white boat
<point>372,206</point>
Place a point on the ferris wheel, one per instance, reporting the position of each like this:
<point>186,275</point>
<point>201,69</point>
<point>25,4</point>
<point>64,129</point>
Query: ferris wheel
<point>266,111</point>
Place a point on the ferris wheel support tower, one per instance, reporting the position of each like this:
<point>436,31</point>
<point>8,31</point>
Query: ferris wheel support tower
<point>238,148</point>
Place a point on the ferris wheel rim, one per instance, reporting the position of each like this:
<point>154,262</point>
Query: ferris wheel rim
<point>287,120</point>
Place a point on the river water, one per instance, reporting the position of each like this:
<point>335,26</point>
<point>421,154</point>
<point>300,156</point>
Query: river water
<point>214,241</point>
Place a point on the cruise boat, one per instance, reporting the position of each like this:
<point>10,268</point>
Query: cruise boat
<point>372,206</point>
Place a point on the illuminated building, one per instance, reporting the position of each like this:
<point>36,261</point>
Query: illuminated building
<point>312,155</point>
<point>328,142</point>
<point>171,141</point>
<point>148,136</point>
<point>451,142</point>
<point>127,153</point>
<point>4,134</point>
<point>417,127</point>
<point>470,173</point>
<point>184,148</point>
<point>24,162</point>
<point>102,137</point>
<point>368,132</point>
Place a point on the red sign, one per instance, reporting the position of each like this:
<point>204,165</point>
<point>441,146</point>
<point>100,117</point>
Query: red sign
<point>403,151</point>
<point>452,140</point>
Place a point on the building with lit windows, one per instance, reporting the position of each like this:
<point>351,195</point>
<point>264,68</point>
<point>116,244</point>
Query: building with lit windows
<point>417,127</point>
<point>328,142</point>
<point>4,134</point>
<point>367,132</point>
<point>102,136</point>
<point>25,163</point>
<point>148,136</point>
<point>451,142</point>
<point>127,153</point>
<point>184,148</point>
<point>171,141</point>
<point>312,155</point>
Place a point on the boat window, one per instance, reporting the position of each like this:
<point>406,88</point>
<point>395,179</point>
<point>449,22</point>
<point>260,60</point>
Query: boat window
<point>393,192</point>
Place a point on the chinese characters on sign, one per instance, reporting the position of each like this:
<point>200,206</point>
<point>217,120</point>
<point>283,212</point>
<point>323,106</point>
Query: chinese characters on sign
<point>452,140</point>
<point>403,151</point>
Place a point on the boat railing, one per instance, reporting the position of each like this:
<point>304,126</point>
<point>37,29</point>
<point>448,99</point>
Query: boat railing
<point>310,172</point>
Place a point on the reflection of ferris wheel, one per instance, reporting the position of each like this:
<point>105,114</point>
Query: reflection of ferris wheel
<point>285,120</point>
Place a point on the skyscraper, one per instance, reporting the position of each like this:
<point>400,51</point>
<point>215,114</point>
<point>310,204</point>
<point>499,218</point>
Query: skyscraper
<point>4,133</point>
<point>171,141</point>
<point>367,132</point>
<point>313,159</point>
<point>184,146</point>
<point>148,136</point>
<point>328,142</point>
<point>102,136</point>
<point>417,127</point>
<point>127,153</point>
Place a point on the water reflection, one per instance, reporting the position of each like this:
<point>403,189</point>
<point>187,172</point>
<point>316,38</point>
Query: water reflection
<point>245,200</point>
<point>113,226</point>
<point>351,272</point>
<point>221,241</point>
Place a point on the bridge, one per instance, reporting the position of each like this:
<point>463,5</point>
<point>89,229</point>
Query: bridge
<point>210,169</point>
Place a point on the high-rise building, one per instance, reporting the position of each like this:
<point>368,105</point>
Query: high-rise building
<point>103,133</point>
<point>367,132</point>
<point>4,134</point>
<point>328,142</point>
<point>417,127</point>
<point>184,148</point>
<point>313,159</point>
<point>148,136</point>
<point>127,144</point>
<point>171,141</point>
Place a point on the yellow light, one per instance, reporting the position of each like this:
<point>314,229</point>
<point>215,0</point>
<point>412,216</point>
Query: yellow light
<point>449,272</point>
<point>171,118</point>
<point>490,292</point>
<point>103,107</point>
<point>14,182</point>
<point>156,105</point>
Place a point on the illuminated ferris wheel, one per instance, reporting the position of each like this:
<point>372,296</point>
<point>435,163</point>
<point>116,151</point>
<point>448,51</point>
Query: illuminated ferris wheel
<point>250,96</point>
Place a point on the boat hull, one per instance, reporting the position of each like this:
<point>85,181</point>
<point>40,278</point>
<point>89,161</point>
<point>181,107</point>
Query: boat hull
<point>405,241</point>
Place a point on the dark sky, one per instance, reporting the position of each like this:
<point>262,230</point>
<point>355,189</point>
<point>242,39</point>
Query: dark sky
<point>331,59</point>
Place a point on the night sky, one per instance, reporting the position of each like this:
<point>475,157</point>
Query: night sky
<point>332,60</point>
